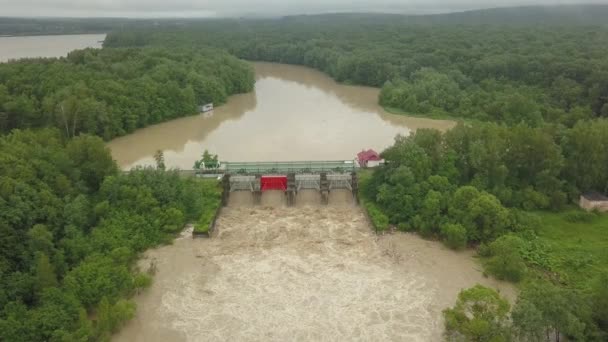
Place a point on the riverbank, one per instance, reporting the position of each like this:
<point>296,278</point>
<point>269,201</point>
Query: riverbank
<point>432,115</point>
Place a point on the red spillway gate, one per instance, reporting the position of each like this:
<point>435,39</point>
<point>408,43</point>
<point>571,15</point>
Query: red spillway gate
<point>273,183</point>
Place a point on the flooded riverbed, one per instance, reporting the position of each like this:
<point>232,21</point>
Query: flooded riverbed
<point>301,274</point>
<point>295,113</point>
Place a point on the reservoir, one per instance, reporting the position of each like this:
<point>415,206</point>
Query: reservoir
<point>294,113</point>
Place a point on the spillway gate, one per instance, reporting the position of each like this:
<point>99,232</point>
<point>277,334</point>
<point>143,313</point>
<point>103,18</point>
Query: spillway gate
<point>289,177</point>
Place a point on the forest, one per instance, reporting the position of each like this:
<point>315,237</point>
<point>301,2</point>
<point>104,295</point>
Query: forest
<point>112,92</point>
<point>71,229</point>
<point>507,73</point>
<point>71,225</point>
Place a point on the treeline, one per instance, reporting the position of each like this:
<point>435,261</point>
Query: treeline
<point>14,26</point>
<point>499,73</point>
<point>542,312</point>
<point>457,184</point>
<point>71,229</point>
<point>112,92</point>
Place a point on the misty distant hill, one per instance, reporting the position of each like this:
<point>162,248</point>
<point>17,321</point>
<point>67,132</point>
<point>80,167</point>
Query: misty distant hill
<point>525,15</point>
<point>564,14</point>
<point>529,15</point>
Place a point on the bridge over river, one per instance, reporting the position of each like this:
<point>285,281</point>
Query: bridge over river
<point>289,177</point>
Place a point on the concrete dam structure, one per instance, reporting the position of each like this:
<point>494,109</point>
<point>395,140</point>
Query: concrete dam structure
<point>291,178</point>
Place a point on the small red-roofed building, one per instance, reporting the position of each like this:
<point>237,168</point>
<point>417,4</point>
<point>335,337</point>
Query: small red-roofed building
<point>369,158</point>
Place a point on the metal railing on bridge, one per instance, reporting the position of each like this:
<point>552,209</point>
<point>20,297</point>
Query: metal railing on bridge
<point>298,167</point>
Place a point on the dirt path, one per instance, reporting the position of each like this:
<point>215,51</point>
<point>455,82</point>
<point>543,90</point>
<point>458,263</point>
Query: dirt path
<point>306,273</point>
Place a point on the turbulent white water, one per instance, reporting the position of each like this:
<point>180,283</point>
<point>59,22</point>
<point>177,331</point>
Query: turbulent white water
<point>308,273</point>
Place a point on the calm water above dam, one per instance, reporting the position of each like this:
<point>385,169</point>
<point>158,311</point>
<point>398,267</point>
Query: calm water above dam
<point>295,113</point>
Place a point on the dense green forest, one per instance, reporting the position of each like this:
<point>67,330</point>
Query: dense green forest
<point>112,92</point>
<point>512,74</point>
<point>71,225</point>
<point>71,228</point>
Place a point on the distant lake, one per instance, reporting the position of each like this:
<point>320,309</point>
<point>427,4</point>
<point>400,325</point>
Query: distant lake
<point>46,46</point>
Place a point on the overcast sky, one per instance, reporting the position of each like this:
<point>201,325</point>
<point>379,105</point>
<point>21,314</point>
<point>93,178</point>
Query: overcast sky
<point>219,8</point>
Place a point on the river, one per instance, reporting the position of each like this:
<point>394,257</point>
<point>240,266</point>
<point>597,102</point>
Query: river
<point>294,113</point>
<point>46,46</point>
<point>310,273</point>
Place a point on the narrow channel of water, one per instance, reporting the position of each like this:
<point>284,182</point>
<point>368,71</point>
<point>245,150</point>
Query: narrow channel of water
<point>295,113</point>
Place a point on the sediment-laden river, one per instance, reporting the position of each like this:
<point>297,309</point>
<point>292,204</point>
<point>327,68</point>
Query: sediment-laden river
<point>295,113</point>
<point>308,273</point>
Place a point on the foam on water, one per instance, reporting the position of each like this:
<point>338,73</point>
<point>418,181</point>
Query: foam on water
<point>308,273</point>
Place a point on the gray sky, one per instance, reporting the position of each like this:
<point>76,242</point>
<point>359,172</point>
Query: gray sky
<point>218,8</point>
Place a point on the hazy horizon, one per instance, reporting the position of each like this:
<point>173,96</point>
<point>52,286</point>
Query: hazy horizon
<point>231,8</point>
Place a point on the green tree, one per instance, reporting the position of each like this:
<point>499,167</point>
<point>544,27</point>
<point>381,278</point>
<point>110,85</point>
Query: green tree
<point>454,235</point>
<point>207,161</point>
<point>599,300</point>
<point>93,160</point>
<point>159,157</point>
<point>505,258</point>
<point>543,308</point>
<point>44,273</point>
<point>486,219</point>
<point>111,317</point>
<point>480,314</point>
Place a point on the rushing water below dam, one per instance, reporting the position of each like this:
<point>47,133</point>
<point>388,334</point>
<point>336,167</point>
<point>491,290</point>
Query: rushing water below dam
<point>294,113</point>
<point>311,273</point>
<point>46,46</point>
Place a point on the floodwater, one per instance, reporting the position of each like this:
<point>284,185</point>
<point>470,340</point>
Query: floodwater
<point>295,113</point>
<point>46,46</point>
<point>309,273</point>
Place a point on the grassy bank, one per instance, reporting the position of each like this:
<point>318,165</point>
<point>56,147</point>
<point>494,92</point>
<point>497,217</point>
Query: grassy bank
<point>576,245</point>
<point>211,194</point>
<point>435,115</point>
<point>378,219</point>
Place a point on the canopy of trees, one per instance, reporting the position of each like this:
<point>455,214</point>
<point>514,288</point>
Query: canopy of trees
<point>506,73</point>
<point>111,92</point>
<point>542,312</point>
<point>462,181</point>
<point>71,228</point>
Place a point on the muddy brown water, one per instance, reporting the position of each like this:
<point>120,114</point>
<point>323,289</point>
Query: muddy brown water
<point>309,273</point>
<point>46,46</point>
<point>294,113</point>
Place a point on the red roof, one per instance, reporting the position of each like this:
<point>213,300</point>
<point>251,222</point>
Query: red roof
<point>369,155</point>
